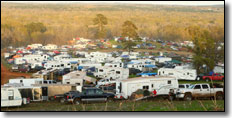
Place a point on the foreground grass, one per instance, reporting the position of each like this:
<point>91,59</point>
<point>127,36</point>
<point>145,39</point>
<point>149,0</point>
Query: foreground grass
<point>158,105</point>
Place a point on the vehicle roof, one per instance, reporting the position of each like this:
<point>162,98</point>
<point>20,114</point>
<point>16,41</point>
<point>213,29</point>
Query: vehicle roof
<point>149,78</point>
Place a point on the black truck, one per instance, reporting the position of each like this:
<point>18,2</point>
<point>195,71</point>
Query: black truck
<point>89,94</point>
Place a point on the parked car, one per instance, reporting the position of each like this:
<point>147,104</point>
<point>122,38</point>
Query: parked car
<point>24,68</point>
<point>37,68</point>
<point>15,68</point>
<point>214,76</point>
<point>133,71</point>
<point>148,73</point>
<point>89,95</point>
<point>200,91</point>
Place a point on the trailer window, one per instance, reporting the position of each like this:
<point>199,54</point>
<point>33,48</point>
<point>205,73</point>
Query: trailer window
<point>205,86</point>
<point>100,70</point>
<point>62,65</point>
<point>152,85</point>
<point>145,87</point>
<point>188,73</point>
<point>181,86</point>
<point>170,73</point>
<point>10,94</point>
<point>169,81</point>
<point>197,87</point>
<point>117,72</point>
<point>115,65</point>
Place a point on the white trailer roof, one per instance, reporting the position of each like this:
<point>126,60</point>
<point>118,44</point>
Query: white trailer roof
<point>148,78</point>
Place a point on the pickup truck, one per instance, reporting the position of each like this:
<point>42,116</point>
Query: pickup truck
<point>215,76</point>
<point>148,73</point>
<point>89,94</point>
<point>200,91</point>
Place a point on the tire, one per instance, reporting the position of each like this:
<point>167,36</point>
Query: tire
<point>188,97</point>
<point>77,101</point>
<point>219,96</point>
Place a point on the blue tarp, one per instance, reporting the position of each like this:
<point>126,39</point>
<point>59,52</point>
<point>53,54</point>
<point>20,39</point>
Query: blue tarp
<point>151,66</point>
<point>73,62</point>
<point>80,67</point>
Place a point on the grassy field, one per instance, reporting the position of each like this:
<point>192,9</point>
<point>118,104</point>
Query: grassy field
<point>151,105</point>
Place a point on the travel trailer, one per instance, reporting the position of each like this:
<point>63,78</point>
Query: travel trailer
<point>76,77</point>
<point>178,73</point>
<point>31,58</point>
<point>11,97</point>
<point>57,65</point>
<point>26,82</point>
<point>111,72</point>
<point>50,47</point>
<point>163,85</point>
<point>162,59</point>
<point>118,65</point>
<point>85,66</point>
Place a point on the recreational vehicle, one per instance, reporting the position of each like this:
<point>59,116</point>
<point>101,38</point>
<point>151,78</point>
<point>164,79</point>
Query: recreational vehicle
<point>10,97</point>
<point>57,65</point>
<point>111,72</point>
<point>162,85</point>
<point>162,59</point>
<point>178,73</point>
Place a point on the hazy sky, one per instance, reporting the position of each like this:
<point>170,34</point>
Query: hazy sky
<point>138,2</point>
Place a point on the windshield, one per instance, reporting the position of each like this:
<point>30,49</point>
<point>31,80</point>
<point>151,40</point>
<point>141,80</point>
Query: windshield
<point>191,86</point>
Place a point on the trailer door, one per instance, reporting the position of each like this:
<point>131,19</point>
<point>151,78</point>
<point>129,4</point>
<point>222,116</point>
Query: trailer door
<point>45,93</point>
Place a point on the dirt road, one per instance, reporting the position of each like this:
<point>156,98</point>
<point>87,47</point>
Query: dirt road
<point>6,75</point>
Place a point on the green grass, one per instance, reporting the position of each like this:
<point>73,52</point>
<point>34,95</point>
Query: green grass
<point>152,105</point>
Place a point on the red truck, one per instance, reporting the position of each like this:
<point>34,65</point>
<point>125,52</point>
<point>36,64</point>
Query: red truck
<point>214,76</point>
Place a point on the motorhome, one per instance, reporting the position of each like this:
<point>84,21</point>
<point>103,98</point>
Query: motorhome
<point>179,73</point>
<point>10,97</point>
<point>163,85</point>
<point>111,72</point>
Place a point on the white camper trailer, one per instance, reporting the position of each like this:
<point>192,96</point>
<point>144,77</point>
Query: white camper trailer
<point>57,65</point>
<point>118,65</point>
<point>162,85</point>
<point>10,97</point>
<point>163,59</point>
<point>179,73</point>
<point>111,72</point>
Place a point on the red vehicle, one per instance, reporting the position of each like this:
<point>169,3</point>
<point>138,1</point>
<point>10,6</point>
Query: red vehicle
<point>215,76</point>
